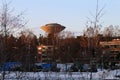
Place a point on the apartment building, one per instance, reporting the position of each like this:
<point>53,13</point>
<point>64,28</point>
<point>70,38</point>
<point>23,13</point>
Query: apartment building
<point>45,53</point>
<point>111,51</point>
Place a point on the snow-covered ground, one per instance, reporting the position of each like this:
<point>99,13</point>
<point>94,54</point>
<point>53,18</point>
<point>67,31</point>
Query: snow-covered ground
<point>100,75</point>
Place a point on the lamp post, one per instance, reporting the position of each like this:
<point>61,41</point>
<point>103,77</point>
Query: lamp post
<point>39,55</point>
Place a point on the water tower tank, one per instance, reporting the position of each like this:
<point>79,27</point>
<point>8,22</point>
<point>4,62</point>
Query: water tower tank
<point>52,28</point>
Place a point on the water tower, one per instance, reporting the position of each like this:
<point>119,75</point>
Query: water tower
<point>52,29</point>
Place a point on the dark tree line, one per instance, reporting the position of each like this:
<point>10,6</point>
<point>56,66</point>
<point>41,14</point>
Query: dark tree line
<point>19,48</point>
<point>81,48</point>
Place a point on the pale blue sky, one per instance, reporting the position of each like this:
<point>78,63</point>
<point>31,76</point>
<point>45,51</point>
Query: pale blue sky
<point>70,13</point>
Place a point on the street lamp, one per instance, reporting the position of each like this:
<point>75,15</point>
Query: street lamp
<point>39,54</point>
<point>39,49</point>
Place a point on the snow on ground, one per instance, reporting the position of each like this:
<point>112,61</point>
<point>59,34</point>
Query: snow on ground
<point>100,75</point>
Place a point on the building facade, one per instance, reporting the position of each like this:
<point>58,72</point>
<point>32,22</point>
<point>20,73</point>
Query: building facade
<point>111,51</point>
<point>45,53</point>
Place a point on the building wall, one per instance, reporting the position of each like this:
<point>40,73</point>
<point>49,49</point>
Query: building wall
<point>45,53</point>
<point>111,49</point>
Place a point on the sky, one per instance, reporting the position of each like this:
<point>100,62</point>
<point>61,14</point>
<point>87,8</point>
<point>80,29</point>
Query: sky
<point>73,14</point>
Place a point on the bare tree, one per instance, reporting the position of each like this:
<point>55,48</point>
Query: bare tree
<point>111,31</point>
<point>9,24</point>
<point>108,31</point>
<point>95,22</point>
<point>94,28</point>
<point>92,32</point>
<point>66,34</point>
